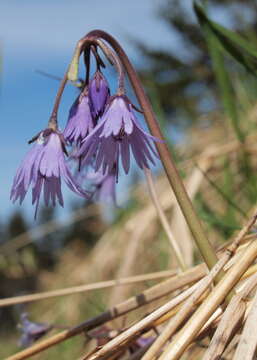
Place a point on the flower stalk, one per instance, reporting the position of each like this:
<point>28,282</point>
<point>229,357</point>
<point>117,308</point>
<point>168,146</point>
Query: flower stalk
<point>117,55</point>
<point>114,60</point>
<point>176,183</point>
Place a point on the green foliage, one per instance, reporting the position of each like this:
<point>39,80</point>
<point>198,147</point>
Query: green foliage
<point>182,75</point>
<point>219,40</point>
<point>235,45</point>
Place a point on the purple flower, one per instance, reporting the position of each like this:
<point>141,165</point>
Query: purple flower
<point>80,121</point>
<point>104,186</point>
<point>43,168</point>
<point>145,340</point>
<point>98,92</point>
<point>31,331</point>
<point>117,133</point>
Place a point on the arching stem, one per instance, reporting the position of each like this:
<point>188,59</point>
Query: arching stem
<point>176,183</point>
<point>72,75</point>
<point>114,60</point>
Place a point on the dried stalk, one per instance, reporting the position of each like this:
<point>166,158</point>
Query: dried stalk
<point>185,310</point>
<point>83,288</point>
<point>115,344</point>
<point>127,264</point>
<point>248,340</point>
<point>188,333</point>
<point>230,322</point>
<point>233,248</point>
<point>149,295</point>
<point>126,336</point>
<point>227,148</point>
<point>164,221</point>
<point>178,223</point>
<point>146,297</point>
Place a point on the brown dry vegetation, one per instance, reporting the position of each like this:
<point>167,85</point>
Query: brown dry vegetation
<point>137,244</point>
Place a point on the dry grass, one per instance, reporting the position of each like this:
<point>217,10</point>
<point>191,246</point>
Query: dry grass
<point>185,316</point>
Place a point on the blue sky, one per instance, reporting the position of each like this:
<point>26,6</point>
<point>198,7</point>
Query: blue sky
<point>42,35</point>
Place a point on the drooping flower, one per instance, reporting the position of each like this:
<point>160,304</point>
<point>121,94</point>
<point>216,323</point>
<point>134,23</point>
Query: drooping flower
<point>98,92</point>
<point>80,121</point>
<point>114,136</point>
<point>104,186</point>
<point>31,331</point>
<point>43,168</point>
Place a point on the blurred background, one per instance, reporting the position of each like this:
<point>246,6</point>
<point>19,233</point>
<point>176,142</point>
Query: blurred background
<point>202,85</point>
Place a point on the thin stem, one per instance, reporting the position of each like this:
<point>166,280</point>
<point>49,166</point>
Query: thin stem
<point>99,61</point>
<point>111,56</point>
<point>221,192</point>
<point>53,123</point>
<point>71,74</point>
<point>83,288</point>
<point>176,183</point>
<point>163,220</point>
<point>114,59</point>
<point>87,64</point>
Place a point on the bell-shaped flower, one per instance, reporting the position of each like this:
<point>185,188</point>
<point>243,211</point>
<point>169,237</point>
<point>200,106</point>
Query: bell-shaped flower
<point>98,92</point>
<point>104,186</point>
<point>118,133</point>
<point>43,168</point>
<point>80,121</point>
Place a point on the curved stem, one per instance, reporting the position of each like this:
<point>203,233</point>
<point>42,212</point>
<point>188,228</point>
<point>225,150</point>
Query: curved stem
<point>87,64</point>
<point>176,183</point>
<point>114,59</point>
<point>164,221</point>
<point>53,123</point>
<point>71,74</point>
<point>99,61</point>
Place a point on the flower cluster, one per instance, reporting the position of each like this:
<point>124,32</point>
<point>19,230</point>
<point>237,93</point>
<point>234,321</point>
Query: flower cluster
<point>103,132</point>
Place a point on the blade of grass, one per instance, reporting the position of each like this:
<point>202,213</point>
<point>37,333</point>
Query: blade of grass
<point>222,193</point>
<point>235,45</point>
<point>224,83</point>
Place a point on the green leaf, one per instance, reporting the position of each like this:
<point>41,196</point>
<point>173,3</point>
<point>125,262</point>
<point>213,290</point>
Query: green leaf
<point>235,45</point>
<point>215,46</point>
<point>225,85</point>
